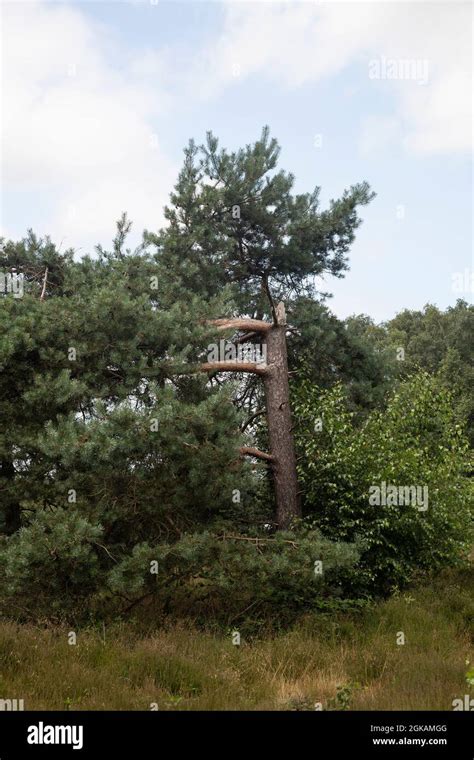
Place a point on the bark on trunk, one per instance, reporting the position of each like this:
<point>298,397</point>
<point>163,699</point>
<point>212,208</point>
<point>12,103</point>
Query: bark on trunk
<point>279,420</point>
<point>275,375</point>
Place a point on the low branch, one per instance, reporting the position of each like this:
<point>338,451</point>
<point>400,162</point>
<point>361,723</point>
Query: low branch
<point>137,601</point>
<point>252,452</point>
<point>245,337</point>
<point>252,418</point>
<point>258,540</point>
<point>254,325</point>
<point>231,366</point>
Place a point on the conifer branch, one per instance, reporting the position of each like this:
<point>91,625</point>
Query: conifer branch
<point>228,323</point>
<point>252,452</point>
<point>233,366</point>
<point>252,418</point>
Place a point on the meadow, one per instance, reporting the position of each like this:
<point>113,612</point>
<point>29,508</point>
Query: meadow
<point>330,662</point>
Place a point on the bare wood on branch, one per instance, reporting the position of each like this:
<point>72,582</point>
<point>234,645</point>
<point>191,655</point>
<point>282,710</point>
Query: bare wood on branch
<point>232,366</point>
<point>45,280</point>
<point>253,325</point>
<point>252,452</point>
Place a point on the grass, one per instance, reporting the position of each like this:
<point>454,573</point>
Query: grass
<point>342,662</point>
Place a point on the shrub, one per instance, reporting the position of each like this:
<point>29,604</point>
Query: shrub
<point>415,441</point>
<point>228,577</point>
<point>52,562</point>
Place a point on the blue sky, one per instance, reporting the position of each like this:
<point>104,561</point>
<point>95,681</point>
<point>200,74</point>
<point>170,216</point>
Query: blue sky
<point>100,98</point>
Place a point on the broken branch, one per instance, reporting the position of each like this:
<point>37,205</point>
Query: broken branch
<point>252,452</point>
<point>231,366</point>
<point>253,325</point>
<point>45,280</point>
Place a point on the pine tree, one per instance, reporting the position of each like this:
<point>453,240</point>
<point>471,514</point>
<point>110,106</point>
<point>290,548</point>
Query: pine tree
<point>122,433</point>
<point>100,414</point>
<point>234,226</point>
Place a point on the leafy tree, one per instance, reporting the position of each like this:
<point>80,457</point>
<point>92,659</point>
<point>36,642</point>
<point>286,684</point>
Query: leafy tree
<point>441,343</point>
<point>431,340</point>
<point>415,442</point>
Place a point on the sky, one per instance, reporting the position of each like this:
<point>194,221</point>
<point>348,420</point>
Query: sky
<point>99,99</point>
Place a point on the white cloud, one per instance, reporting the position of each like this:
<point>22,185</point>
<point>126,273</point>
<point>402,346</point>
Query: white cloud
<point>84,132</point>
<point>76,128</point>
<point>441,116</point>
<point>293,44</point>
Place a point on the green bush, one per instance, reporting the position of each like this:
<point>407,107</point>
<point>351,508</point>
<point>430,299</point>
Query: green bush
<point>52,563</point>
<point>228,577</point>
<point>414,442</point>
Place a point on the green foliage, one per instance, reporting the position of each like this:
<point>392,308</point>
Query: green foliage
<point>110,439</point>
<point>415,441</point>
<point>343,697</point>
<point>52,561</point>
<point>327,350</point>
<point>115,452</point>
<point>433,341</point>
<point>101,428</point>
<point>234,223</point>
<point>470,677</point>
<point>232,576</point>
<point>148,473</point>
<point>235,227</point>
<point>370,359</point>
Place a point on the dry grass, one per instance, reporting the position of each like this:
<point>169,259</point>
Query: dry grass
<point>184,668</point>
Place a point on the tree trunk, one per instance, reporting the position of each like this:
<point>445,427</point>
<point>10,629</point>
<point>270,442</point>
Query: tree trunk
<point>279,420</point>
<point>275,376</point>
